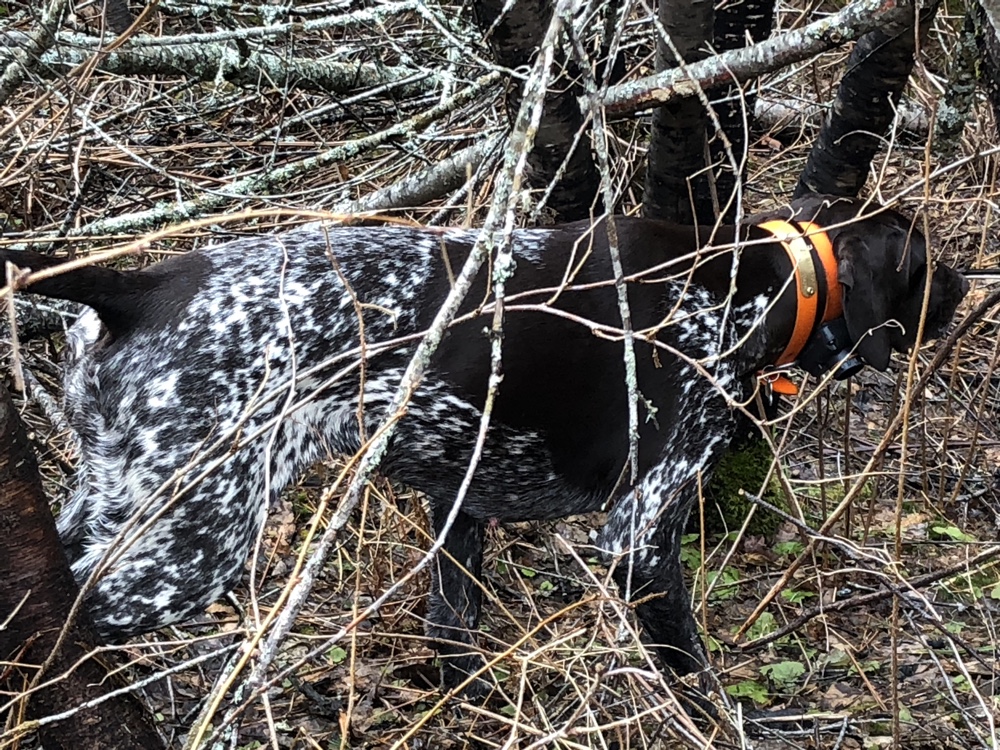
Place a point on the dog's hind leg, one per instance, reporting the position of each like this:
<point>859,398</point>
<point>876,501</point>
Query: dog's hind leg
<point>455,597</point>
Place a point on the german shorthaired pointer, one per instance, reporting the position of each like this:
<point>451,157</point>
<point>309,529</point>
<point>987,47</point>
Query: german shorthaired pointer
<point>203,385</point>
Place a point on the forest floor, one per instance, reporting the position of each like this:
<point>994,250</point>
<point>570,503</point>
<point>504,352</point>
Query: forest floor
<point>891,629</point>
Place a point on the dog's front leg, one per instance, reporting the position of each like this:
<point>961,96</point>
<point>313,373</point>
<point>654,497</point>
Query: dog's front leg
<point>647,542</point>
<point>651,572</point>
<point>455,597</point>
<point>665,611</point>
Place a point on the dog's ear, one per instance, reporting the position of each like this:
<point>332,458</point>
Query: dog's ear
<point>874,267</point>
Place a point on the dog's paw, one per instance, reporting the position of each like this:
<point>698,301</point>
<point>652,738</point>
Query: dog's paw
<point>467,674</point>
<point>699,694</point>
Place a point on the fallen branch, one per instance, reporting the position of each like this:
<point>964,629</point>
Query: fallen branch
<point>260,185</point>
<point>744,64</point>
<point>217,61</point>
<point>376,15</point>
<point>21,60</point>
<point>776,115</point>
<point>424,186</point>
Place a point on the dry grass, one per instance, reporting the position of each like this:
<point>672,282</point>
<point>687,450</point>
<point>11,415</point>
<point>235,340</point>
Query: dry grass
<point>572,672</point>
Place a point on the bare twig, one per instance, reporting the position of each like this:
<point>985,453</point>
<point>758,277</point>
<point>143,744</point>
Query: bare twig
<point>11,273</point>
<point>494,236</point>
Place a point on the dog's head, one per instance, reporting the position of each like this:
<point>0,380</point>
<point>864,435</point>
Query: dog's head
<point>882,268</point>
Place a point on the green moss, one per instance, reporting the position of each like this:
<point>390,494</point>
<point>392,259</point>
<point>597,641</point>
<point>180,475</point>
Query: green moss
<point>726,507</point>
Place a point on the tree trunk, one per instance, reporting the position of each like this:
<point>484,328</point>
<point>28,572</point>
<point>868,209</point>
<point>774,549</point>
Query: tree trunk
<point>781,50</point>
<point>117,15</point>
<point>955,106</point>
<point>36,593</point>
<point>987,16</point>
<point>734,24</point>
<point>863,110</point>
<point>515,39</point>
<point>677,139</point>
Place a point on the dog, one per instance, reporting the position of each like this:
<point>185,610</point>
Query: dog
<point>202,385</point>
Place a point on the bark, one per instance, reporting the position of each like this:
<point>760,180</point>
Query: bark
<point>989,12</point>
<point>25,57</point>
<point>421,188</point>
<point>778,52</point>
<point>988,41</point>
<point>272,31</point>
<point>863,111</point>
<point>37,587</point>
<point>117,15</point>
<point>691,177</point>
<point>37,317</point>
<point>735,23</point>
<point>955,106</point>
<point>515,37</point>
<point>212,61</point>
<point>677,137</point>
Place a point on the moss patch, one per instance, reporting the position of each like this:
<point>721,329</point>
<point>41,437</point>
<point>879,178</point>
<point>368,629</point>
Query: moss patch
<point>725,507</point>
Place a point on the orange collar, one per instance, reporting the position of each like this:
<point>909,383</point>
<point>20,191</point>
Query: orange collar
<point>800,240</point>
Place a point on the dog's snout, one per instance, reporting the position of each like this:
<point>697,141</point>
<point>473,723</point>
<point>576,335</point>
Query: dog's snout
<point>954,281</point>
<point>949,282</point>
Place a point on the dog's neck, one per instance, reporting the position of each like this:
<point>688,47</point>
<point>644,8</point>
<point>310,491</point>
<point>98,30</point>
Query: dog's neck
<point>776,318</point>
<point>818,293</point>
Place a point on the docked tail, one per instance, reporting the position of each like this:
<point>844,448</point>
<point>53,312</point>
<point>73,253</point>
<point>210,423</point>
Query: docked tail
<point>116,296</point>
